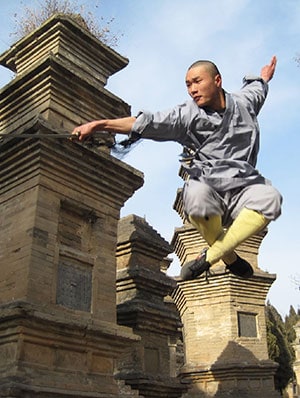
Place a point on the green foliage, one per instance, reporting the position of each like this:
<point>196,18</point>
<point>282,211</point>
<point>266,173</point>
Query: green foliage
<point>290,322</point>
<point>31,18</point>
<point>279,347</point>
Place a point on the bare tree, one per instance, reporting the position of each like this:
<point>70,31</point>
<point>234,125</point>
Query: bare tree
<point>295,279</point>
<point>32,18</point>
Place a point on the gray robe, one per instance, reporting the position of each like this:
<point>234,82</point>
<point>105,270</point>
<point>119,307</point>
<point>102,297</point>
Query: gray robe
<point>226,144</point>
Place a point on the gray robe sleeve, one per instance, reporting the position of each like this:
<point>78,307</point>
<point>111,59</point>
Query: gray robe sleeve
<point>253,93</point>
<point>169,125</point>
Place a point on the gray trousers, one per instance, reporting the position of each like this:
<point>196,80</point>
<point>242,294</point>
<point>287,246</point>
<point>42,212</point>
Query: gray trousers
<point>199,199</point>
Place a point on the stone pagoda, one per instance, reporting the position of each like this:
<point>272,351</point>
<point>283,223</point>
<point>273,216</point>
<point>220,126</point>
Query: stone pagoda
<point>143,288</point>
<point>224,326</point>
<point>60,206</point>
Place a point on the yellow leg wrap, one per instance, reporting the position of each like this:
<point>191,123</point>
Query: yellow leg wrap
<point>248,223</point>
<point>211,229</point>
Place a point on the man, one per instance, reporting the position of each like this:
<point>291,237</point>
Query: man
<point>220,131</point>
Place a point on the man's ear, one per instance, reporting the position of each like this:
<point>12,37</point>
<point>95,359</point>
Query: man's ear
<point>218,80</point>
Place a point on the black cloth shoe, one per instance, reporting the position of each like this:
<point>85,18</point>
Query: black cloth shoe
<point>194,268</point>
<point>240,267</point>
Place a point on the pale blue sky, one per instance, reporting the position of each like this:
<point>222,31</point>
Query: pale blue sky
<point>161,38</point>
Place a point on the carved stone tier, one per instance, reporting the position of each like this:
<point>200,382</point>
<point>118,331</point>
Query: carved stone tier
<point>61,355</point>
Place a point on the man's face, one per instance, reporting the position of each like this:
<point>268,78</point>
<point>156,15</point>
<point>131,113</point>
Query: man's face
<point>203,87</point>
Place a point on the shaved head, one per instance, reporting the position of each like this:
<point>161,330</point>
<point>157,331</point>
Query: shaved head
<point>209,66</point>
<point>204,85</point>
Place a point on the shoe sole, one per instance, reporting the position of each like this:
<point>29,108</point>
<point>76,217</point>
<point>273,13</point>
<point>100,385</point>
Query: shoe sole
<point>193,269</point>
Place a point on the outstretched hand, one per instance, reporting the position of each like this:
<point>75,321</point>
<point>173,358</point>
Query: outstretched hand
<point>122,126</point>
<point>84,131</point>
<point>267,71</point>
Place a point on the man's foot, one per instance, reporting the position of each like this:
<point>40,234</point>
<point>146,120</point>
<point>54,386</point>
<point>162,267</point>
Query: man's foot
<point>240,267</point>
<point>194,268</point>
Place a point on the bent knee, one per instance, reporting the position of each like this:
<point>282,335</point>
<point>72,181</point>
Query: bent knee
<point>267,200</point>
<point>200,200</point>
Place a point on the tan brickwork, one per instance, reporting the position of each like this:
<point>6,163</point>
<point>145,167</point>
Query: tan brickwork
<point>293,390</point>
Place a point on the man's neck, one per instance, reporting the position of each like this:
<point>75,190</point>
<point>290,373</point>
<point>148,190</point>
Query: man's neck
<point>220,105</point>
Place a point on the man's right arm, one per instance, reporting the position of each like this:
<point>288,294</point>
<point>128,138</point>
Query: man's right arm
<point>255,88</point>
<point>267,71</point>
<point>119,126</point>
